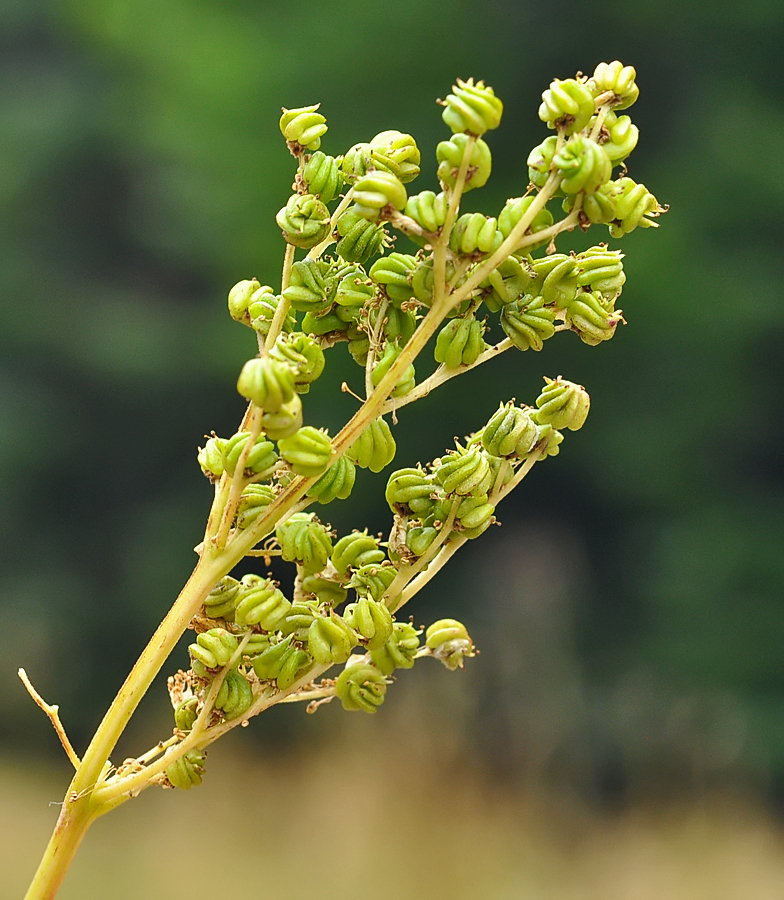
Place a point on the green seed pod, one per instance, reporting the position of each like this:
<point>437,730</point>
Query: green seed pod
<point>593,318</point>
<point>394,273</point>
<point>377,190</point>
<point>213,648</point>
<point>556,279</point>
<point>262,457</point>
<point>619,79</point>
<point>239,298</point>
<point>336,483</point>
<point>549,440</point>
<point>322,176</point>
<point>633,204</point>
<point>514,210</point>
<point>303,126</point>
<point>567,104</point>
<point>235,695</point>
<point>257,643</point>
<point>282,663</point>
<point>304,355</point>
<point>326,591</point>
<point>504,284</point>
<point>372,580</point>
<point>361,687</point>
<point>422,280</point>
<point>354,550</point>
<point>419,538</point>
<point>210,458</point>
<point>375,448</point>
<point>187,771</point>
<point>396,153</point>
<point>623,137</point>
<point>601,269</point>
<point>399,651</point>
<point>267,383</point>
<point>398,325</point>
<point>474,233</point>
<point>428,210</point>
<point>527,322</point>
<point>371,620</point>
<point>221,600</point>
<point>325,324</point>
<point>357,161</point>
<point>562,404</point>
<point>359,238</point>
<point>510,432</point>
<point>304,221</point>
<point>308,452</point>
<point>186,714</point>
<point>262,603</point>
<point>464,472</point>
<point>474,516</point>
<point>301,616</point>
<point>409,486</point>
<point>284,423</point>
<point>449,155</point>
<point>406,383</point>
<point>449,641</point>
<point>261,309</point>
<point>354,291</point>
<point>359,347</point>
<point>308,290</point>
<point>540,161</point>
<point>472,108</point>
<point>330,640</point>
<point>460,342</point>
<point>304,540</point>
<point>584,165</point>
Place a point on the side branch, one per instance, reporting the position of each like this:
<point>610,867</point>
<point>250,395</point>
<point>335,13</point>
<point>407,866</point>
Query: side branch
<point>53,712</point>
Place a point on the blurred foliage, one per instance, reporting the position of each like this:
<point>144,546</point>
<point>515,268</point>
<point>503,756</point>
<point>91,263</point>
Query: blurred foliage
<point>630,611</point>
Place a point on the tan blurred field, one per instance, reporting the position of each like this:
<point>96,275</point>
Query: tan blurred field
<point>385,822</point>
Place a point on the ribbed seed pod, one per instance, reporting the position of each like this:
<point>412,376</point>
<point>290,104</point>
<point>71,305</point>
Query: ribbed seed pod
<point>372,580</point>
<point>619,79</point>
<point>527,322</point>
<point>397,153</point>
<point>460,342</point>
<point>235,695</point>
<point>187,771</point>
<point>567,104</point>
<point>303,126</point>
<point>325,590</point>
<point>375,448</point>
<point>239,298</point>
<point>261,309</point>
<point>361,687</point>
<point>186,713</point>
<point>599,208</point>
<point>472,108</point>
<point>355,550</point>
<point>474,516</point>
<point>504,284</point>
<point>359,238</point>
<point>592,319</point>
<point>562,404</point>
<point>406,486</point>
<point>221,600</point>
<point>427,209</point>
<point>633,204</point>
<point>510,432</point>
<point>420,537</point>
<point>336,483</point>
<point>398,325</point>
<point>449,155</point>
<point>354,291</point>
<point>308,452</point>
<point>540,161</point>
<point>330,640</point>
<point>474,233</point>
<point>210,458</point>
<point>267,383</point>
<point>304,221</point>
<point>407,381</point>
<point>357,161</point>
<point>213,648</point>
<point>285,422</point>
<point>304,355</point>
<point>304,540</point>
<point>399,651</point>
<point>549,440</point>
<point>322,176</point>
<point>282,663</point>
<point>556,279</point>
<point>449,641</point>
<point>514,210</point>
<point>257,643</point>
<point>394,273</point>
<point>464,472</point>
<point>301,616</point>
<point>623,137</point>
<point>358,346</point>
<point>261,603</point>
<point>601,269</point>
<point>371,620</point>
<point>584,165</point>
<point>307,290</point>
<point>319,325</point>
<point>262,457</point>
<point>377,190</point>
<point>422,282</point>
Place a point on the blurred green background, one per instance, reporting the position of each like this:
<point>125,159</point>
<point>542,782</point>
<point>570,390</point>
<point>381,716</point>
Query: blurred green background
<point>630,611</point>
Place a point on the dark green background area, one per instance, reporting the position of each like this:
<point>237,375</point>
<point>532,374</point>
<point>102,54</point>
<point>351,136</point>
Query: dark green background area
<point>631,609</point>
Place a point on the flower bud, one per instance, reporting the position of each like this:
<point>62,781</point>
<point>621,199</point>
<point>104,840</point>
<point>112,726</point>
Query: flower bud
<point>527,322</point>
<point>336,482</point>
<point>267,383</point>
<point>407,486</point>
<point>584,165</point>
<point>504,284</point>
<point>354,291</point>
<point>427,209</point>
<point>221,600</point>
<point>460,342</point>
<point>419,538</point>
<point>540,161</point>
<point>304,355</point>
<point>299,619</point>
<point>377,190</point>
<point>213,648</point>
<point>354,550</point>
<point>449,155</point>
<point>239,298</point>
<point>394,273</point>
<point>422,280</point>
<point>325,590</point>
<point>474,233</point>
<point>211,458</point>
<point>282,663</point>
<point>307,290</point>
<point>514,210</point>
<point>619,79</point>
<point>304,221</point>
<point>322,176</point>
<point>359,238</point>
<point>567,104</point>
<point>261,603</point>
<point>398,326</point>
<point>600,269</point>
<point>308,452</point>
<point>407,381</point>
<point>304,540</point>
<point>375,448</point>
<point>399,651</point>
<point>361,687</point>
<point>472,108</point>
<point>510,432</point>
<point>186,714</point>
<point>634,203</point>
<point>556,279</point>
<point>330,640</point>
<point>371,620</point>
<point>562,404</point>
<point>449,641</point>
<point>464,472</point>
<point>372,580</point>
<point>261,459</point>
<point>303,126</point>
<point>549,441</point>
<point>396,153</point>
<point>187,771</point>
<point>284,423</point>
<point>235,695</point>
<point>262,308</point>
<point>593,318</point>
<point>623,137</point>
<point>474,516</point>
<point>323,324</point>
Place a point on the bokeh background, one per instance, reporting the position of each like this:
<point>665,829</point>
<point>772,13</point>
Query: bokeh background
<point>621,734</point>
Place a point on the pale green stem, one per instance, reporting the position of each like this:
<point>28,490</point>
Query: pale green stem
<point>282,309</point>
<point>315,252</point>
<point>238,480</point>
